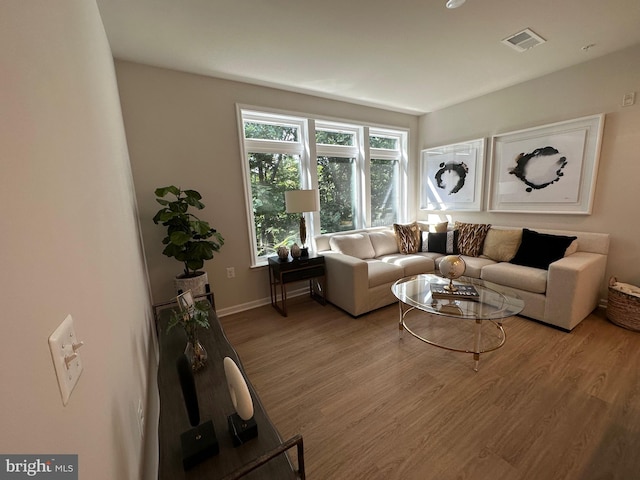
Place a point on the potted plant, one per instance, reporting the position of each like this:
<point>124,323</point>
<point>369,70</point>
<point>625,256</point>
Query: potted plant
<point>189,239</point>
<point>190,316</point>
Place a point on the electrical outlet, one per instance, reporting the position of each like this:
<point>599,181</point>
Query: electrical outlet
<point>231,272</point>
<point>64,346</point>
<point>629,99</point>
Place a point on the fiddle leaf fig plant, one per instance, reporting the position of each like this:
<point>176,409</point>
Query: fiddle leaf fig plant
<point>189,239</point>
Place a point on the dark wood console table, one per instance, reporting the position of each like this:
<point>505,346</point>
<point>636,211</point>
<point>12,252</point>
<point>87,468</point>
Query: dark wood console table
<point>262,457</point>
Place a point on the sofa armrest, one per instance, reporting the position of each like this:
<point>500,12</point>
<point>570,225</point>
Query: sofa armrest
<point>347,281</point>
<point>573,288</point>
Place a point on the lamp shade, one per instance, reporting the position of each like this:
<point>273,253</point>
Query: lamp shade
<point>299,201</point>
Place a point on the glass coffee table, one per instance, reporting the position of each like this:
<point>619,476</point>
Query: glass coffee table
<point>456,324</point>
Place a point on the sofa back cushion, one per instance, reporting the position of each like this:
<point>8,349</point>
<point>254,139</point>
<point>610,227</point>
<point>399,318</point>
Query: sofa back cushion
<point>539,250</point>
<point>384,242</point>
<point>354,244</point>
<point>501,245</point>
<point>433,227</point>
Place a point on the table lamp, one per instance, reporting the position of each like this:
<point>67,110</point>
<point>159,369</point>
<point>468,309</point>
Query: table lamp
<point>302,201</point>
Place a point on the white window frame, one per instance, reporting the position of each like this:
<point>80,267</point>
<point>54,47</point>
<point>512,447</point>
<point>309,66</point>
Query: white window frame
<point>308,151</point>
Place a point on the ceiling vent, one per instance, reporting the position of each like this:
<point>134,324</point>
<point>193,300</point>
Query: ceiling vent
<point>524,40</point>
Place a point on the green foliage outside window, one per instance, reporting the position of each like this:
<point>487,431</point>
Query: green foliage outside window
<point>272,174</point>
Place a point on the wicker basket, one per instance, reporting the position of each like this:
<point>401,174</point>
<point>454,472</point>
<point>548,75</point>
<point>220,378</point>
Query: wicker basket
<point>623,309</point>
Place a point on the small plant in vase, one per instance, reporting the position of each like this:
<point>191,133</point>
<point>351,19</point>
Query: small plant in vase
<point>190,317</point>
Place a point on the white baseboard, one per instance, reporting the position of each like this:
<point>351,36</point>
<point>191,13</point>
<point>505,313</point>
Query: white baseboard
<point>223,312</point>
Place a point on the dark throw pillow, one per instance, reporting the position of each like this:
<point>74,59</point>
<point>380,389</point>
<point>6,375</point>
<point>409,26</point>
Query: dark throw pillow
<point>539,250</point>
<point>441,242</point>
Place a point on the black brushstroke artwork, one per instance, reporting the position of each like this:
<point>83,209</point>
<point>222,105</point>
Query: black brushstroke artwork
<point>460,169</point>
<point>537,169</point>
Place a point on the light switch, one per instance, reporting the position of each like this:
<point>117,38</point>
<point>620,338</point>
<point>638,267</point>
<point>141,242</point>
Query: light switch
<point>64,347</point>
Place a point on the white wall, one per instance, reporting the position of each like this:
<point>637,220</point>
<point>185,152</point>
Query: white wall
<point>69,243</point>
<point>592,87</point>
<point>182,129</point>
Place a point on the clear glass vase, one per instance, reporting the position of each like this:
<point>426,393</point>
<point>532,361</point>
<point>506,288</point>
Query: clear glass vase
<point>196,354</point>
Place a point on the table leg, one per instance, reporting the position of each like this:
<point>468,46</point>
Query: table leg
<point>476,344</point>
<point>283,296</point>
<point>400,326</point>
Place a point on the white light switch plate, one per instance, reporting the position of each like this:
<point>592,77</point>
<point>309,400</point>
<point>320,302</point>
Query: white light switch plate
<point>61,344</point>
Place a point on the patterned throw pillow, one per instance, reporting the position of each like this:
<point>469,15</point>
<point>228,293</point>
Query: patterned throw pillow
<point>408,237</point>
<point>471,237</point>
<point>440,242</point>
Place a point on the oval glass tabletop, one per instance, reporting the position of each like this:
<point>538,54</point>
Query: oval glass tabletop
<point>489,304</point>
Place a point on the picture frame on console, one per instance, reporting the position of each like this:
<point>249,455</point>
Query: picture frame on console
<point>185,301</point>
<point>546,169</point>
<point>452,176</point>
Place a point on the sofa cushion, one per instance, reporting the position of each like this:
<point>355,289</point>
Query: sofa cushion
<point>407,237</point>
<point>538,250</point>
<point>506,274</point>
<point>354,244</point>
<point>433,227</point>
<point>471,237</point>
<point>474,265</point>
<point>381,273</point>
<point>501,245</point>
<point>384,242</point>
<point>411,264</point>
<point>445,243</point>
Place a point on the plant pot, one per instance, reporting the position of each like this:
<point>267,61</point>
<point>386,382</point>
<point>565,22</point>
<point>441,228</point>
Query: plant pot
<point>195,284</point>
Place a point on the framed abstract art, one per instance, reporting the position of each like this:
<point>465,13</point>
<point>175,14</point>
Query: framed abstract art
<point>547,169</point>
<point>451,176</point>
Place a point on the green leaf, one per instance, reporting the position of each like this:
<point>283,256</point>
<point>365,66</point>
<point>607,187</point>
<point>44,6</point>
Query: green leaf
<point>202,250</point>
<point>162,191</point>
<point>180,238</point>
<point>200,226</point>
<point>194,264</point>
<point>192,195</point>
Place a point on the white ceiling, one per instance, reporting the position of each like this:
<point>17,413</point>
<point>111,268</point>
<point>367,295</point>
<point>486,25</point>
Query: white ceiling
<point>412,56</point>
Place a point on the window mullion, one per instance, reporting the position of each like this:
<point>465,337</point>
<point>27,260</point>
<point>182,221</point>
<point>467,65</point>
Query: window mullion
<point>365,200</point>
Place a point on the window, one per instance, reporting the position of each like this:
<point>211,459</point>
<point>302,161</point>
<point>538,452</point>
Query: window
<point>386,152</point>
<point>358,171</point>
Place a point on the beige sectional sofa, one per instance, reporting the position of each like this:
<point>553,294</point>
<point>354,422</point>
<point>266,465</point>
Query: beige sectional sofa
<point>362,265</point>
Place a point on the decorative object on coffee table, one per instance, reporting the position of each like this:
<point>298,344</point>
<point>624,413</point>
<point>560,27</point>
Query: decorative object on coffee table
<point>190,316</point>
<point>189,240</point>
<point>452,267</point>
<point>302,201</point>
<point>295,251</point>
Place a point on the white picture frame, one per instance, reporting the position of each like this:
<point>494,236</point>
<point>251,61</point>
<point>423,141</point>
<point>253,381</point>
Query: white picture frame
<point>546,169</point>
<point>452,176</point>
<point>185,301</point>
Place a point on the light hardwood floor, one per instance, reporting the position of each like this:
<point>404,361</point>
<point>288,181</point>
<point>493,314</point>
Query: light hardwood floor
<point>373,403</point>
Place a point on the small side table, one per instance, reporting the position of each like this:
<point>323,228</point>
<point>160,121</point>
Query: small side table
<point>282,272</point>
